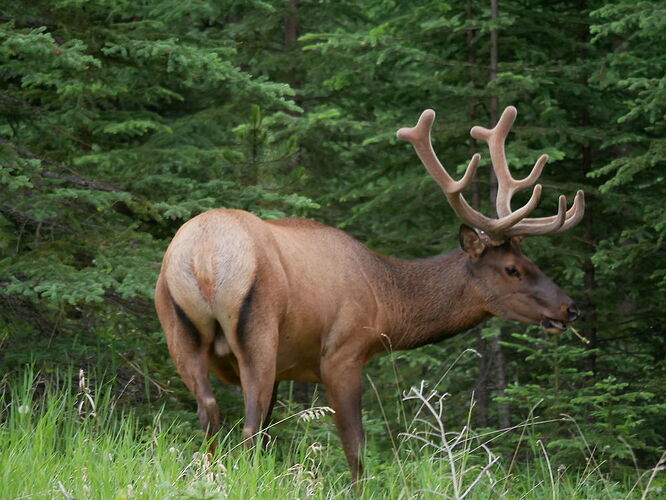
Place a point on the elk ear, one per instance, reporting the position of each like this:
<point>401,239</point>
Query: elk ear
<point>470,241</point>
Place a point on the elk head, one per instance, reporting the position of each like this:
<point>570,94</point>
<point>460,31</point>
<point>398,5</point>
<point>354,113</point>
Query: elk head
<point>511,284</point>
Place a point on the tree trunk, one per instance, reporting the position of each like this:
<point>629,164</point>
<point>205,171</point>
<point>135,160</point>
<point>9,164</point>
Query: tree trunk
<point>291,25</point>
<point>471,107</point>
<point>589,278</point>
<point>494,100</point>
<point>496,348</point>
<point>301,391</point>
<point>503,412</point>
<point>589,308</point>
<point>481,394</point>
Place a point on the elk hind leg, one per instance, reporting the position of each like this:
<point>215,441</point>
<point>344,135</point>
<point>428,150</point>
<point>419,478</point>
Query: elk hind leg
<point>192,364</point>
<point>189,350</point>
<point>255,348</point>
<point>257,373</point>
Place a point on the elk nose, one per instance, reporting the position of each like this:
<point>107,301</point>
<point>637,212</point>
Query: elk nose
<point>574,312</point>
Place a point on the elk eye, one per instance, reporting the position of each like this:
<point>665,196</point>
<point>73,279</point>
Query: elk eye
<point>512,271</point>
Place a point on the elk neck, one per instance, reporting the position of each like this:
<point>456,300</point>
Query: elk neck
<point>433,299</point>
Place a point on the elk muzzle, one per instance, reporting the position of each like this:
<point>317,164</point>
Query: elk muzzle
<point>574,313</point>
<point>555,326</point>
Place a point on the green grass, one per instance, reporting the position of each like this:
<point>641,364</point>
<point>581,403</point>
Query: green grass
<point>61,441</point>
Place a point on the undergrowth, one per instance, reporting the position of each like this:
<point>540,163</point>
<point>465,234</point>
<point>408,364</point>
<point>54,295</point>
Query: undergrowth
<point>63,440</point>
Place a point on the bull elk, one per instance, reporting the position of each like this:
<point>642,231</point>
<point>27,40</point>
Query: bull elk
<point>260,301</point>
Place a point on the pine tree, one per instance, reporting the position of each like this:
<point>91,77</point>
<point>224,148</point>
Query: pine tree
<point>119,123</point>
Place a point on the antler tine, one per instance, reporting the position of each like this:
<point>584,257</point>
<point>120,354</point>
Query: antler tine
<point>556,224</point>
<point>543,225</point>
<point>419,137</point>
<point>507,186</point>
<point>496,138</point>
<point>534,174</point>
<point>575,214</point>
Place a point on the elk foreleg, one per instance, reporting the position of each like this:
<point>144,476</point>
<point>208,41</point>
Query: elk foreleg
<point>271,405</point>
<point>342,378</point>
<point>267,417</point>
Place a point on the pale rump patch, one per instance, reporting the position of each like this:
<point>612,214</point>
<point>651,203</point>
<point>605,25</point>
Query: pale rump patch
<point>203,268</point>
<point>210,254</point>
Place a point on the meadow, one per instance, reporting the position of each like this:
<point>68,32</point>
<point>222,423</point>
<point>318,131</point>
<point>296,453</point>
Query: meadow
<point>79,441</point>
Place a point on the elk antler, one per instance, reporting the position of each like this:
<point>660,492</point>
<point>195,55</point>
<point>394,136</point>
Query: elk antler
<point>508,223</point>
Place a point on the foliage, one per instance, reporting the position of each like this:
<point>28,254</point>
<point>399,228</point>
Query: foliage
<point>121,120</point>
<point>587,412</point>
<point>58,440</point>
<point>111,139</point>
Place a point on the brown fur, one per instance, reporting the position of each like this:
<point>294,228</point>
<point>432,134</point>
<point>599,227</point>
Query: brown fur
<point>293,299</point>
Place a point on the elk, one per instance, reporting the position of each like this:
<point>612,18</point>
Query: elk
<point>259,301</point>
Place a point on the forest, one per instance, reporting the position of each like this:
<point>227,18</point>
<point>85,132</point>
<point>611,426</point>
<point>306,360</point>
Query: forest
<point>121,120</point>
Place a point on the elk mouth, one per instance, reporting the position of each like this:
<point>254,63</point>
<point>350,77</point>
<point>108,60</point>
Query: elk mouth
<point>553,325</point>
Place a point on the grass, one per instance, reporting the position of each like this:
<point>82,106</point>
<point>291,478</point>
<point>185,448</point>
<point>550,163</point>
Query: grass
<point>63,441</point>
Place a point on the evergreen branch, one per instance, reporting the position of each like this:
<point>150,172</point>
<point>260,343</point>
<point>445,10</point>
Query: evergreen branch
<point>21,217</point>
<point>134,306</point>
<point>74,178</point>
<point>29,22</point>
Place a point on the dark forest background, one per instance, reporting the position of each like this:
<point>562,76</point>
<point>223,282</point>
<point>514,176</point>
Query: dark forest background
<point>120,120</point>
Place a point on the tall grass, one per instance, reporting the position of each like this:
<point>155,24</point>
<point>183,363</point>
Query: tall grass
<point>73,441</point>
